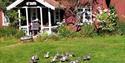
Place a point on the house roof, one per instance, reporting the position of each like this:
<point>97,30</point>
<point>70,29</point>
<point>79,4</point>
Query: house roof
<point>14,4</point>
<point>48,3</point>
<point>53,2</point>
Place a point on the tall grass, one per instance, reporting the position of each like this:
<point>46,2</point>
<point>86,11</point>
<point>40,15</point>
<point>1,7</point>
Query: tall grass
<point>10,32</point>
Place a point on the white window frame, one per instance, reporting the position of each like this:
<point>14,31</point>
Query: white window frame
<point>82,11</point>
<point>4,19</point>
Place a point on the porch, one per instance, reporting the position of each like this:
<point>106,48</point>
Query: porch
<point>45,16</point>
<point>43,11</point>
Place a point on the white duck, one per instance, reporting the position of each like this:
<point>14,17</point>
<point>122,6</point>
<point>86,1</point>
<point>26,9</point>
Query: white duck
<point>47,55</point>
<point>34,59</point>
<point>75,61</point>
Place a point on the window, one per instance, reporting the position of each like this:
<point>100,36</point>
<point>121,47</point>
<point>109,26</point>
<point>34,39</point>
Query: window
<point>5,19</point>
<point>84,14</point>
<point>57,16</point>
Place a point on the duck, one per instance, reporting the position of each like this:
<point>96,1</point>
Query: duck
<point>47,55</point>
<point>54,59</point>
<point>87,57</point>
<point>64,58</point>
<point>74,61</point>
<point>34,59</point>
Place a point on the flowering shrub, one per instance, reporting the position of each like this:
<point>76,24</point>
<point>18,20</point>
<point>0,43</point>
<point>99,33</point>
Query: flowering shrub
<point>63,31</point>
<point>107,20</point>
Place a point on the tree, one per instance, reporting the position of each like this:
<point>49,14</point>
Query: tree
<point>4,3</point>
<point>12,14</point>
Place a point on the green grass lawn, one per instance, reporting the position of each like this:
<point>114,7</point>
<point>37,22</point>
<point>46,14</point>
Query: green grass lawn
<point>109,49</point>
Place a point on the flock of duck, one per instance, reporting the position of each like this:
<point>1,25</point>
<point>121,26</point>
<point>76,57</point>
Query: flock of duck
<point>60,58</point>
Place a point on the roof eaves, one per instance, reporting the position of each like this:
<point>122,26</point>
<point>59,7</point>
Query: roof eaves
<point>40,1</point>
<point>14,4</point>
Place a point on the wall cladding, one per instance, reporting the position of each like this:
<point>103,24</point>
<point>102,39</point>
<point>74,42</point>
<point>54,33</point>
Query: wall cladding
<point>120,7</point>
<point>0,18</point>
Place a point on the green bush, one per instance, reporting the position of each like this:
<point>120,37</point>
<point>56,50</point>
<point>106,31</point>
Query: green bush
<point>63,31</point>
<point>121,28</point>
<point>87,30</point>
<point>10,31</point>
<point>19,34</point>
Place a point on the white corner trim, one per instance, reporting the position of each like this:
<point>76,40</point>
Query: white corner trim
<point>46,4</point>
<point>14,4</point>
<point>19,1</point>
<point>3,20</point>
